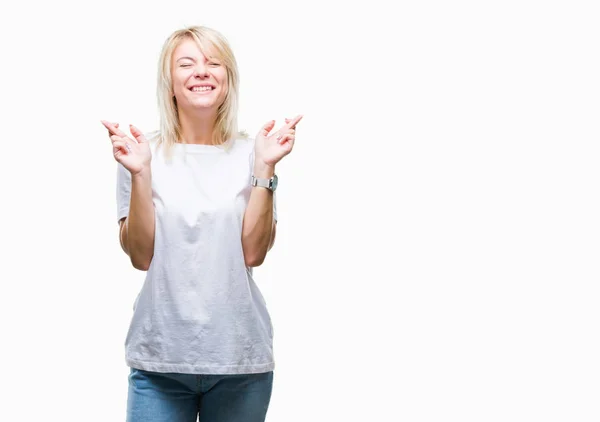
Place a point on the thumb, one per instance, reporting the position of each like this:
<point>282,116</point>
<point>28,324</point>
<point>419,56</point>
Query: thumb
<point>137,134</point>
<point>267,128</point>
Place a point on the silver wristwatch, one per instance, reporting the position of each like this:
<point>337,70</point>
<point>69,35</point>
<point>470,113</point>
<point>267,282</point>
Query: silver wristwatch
<point>266,183</point>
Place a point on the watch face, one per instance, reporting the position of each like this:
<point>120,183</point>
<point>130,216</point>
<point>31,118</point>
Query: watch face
<point>274,183</point>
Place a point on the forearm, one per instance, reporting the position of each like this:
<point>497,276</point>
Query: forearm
<point>258,227</point>
<point>137,233</point>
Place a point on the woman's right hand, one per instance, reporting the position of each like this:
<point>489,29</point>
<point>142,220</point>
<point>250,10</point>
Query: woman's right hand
<point>134,155</point>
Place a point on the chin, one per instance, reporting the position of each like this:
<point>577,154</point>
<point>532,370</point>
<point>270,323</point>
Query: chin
<point>203,103</point>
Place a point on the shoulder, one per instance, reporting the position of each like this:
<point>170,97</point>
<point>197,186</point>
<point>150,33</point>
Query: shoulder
<point>242,145</point>
<point>153,138</point>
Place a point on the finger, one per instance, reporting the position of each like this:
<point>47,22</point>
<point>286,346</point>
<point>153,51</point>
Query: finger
<point>288,137</point>
<point>112,129</point>
<point>126,144</point>
<point>137,134</point>
<point>288,121</point>
<point>293,122</point>
<point>267,128</point>
<point>121,146</point>
<point>287,144</point>
<point>293,129</point>
<point>282,133</point>
<point>116,125</point>
<point>115,138</point>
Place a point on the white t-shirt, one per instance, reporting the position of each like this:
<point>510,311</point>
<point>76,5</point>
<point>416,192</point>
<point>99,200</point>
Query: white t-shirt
<point>199,310</point>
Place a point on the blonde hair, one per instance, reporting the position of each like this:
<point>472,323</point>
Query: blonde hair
<point>170,126</point>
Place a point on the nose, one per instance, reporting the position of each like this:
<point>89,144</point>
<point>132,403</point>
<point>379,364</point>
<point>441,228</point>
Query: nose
<point>201,71</point>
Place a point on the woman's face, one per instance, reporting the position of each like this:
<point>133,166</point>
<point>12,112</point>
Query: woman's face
<point>199,82</point>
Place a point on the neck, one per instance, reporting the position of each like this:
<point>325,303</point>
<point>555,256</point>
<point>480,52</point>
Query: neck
<point>197,128</point>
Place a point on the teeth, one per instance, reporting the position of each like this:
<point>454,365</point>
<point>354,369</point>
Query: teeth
<point>201,88</point>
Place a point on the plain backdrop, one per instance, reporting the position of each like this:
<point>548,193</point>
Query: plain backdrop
<point>438,241</point>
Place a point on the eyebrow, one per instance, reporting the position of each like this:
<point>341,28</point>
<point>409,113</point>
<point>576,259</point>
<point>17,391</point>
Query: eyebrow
<point>186,58</point>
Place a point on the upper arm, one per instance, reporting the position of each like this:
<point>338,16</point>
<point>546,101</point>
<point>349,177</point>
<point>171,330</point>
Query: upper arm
<point>123,234</point>
<point>274,228</point>
<point>273,231</point>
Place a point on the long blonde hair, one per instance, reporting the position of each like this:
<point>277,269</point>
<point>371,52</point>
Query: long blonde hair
<point>170,126</point>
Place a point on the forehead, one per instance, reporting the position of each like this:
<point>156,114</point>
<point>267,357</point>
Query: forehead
<point>190,48</point>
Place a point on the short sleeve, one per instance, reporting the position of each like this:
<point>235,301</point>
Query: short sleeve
<point>123,191</point>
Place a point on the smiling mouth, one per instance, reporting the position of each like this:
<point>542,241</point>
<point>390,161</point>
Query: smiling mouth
<point>202,88</point>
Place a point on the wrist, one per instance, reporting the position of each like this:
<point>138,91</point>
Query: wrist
<point>143,174</point>
<point>263,171</point>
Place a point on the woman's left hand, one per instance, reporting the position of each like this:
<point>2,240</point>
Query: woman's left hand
<point>269,149</point>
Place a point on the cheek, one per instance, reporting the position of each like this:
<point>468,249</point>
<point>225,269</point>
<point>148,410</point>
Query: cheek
<point>177,91</point>
<point>179,85</point>
<point>221,76</point>
<point>224,82</point>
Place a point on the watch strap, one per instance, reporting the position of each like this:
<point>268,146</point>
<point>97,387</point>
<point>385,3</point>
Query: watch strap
<point>263,183</point>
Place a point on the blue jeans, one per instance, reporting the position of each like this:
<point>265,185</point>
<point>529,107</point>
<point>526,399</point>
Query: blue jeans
<point>171,397</point>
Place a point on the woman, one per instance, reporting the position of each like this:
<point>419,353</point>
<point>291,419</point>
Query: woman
<point>197,211</point>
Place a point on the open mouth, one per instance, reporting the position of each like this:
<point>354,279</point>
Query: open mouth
<point>202,88</point>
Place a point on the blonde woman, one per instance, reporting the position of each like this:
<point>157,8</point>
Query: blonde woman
<point>196,210</point>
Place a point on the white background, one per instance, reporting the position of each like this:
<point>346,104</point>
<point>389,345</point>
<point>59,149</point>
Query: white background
<point>437,251</point>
